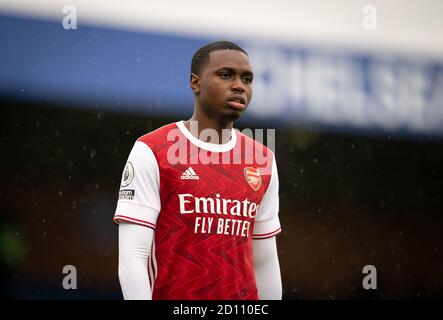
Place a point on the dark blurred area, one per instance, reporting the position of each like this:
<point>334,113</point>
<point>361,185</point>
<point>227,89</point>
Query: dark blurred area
<point>346,201</point>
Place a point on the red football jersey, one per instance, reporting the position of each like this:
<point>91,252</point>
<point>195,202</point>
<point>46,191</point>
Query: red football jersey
<point>206,203</point>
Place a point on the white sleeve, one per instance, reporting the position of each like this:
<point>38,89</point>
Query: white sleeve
<point>139,195</point>
<point>267,269</point>
<point>134,243</point>
<point>267,223</point>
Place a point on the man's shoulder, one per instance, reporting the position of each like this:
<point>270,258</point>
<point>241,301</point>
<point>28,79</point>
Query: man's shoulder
<point>246,140</point>
<point>158,136</point>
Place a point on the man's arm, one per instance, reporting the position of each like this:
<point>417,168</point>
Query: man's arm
<point>134,249</point>
<point>137,211</point>
<point>267,269</point>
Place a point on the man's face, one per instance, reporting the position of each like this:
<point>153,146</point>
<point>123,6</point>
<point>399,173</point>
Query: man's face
<point>224,87</point>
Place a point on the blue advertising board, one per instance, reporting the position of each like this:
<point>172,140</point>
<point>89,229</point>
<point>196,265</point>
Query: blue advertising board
<point>92,67</point>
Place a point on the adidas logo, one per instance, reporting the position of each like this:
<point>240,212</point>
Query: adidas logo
<point>189,174</point>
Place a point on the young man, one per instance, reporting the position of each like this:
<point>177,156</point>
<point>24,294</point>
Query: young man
<point>198,219</point>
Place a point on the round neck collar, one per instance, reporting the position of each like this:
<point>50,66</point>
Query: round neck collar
<point>213,147</point>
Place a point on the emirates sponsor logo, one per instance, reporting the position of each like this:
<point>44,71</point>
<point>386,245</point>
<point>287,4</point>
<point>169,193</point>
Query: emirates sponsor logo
<point>190,204</point>
<point>225,216</point>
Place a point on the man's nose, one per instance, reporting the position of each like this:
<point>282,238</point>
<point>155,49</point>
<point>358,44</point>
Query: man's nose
<point>238,85</point>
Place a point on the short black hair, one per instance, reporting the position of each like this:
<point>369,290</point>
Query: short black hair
<point>201,56</point>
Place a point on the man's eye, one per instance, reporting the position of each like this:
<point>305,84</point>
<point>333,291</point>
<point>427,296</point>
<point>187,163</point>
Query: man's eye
<point>247,80</point>
<point>225,75</point>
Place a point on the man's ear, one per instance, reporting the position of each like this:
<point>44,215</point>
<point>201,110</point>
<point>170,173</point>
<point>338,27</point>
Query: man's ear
<point>195,83</point>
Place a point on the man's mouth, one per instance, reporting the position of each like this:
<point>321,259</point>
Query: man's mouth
<point>237,102</point>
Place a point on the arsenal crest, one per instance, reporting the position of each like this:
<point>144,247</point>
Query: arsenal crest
<point>253,177</point>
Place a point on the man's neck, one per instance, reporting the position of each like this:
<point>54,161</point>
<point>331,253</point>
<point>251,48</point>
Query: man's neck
<point>208,123</point>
